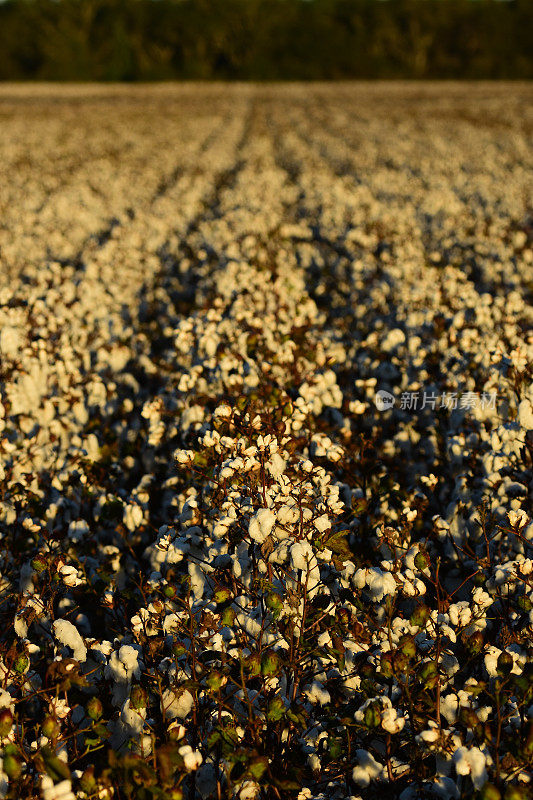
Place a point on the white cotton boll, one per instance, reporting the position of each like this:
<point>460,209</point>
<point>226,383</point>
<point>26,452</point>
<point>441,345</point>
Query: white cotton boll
<point>322,523</point>
<point>491,660</point>
<point>129,657</point>
<point>69,575</point>
<point>317,694</point>
<point>525,414</point>
<point>191,758</point>
<point>276,465</point>
<point>430,735</point>
<point>449,663</point>
<point>481,598</point>
<point>77,530</point>
<point>60,708</point>
<point>460,613</point>
<point>184,456</point>
<point>367,769</point>
<point>517,518</point>
<point>68,635</point>
<point>132,718</point>
<point>380,583</point>
<point>197,580</point>
<point>92,447</point>
<point>249,790</point>
<point>301,555</point>
<point>448,707</point>
<point>20,626</point>
<point>390,721</point>
<point>10,341</point>
<point>359,579</point>
<point>471,762</point>
<point>261,525</point>
<point>6,701</point>
<point>176,705</point>
<point>223,411</point>
<point>461,761</point>
<point>143,746</point>
<point>57,791</point>
<point>288,515</point>
<point>132,516</point>
<point>122,667</point>
<point>314,762</point>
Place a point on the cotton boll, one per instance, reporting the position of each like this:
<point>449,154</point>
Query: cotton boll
<point>429,736</point>
<point>133,516</point>
<point>191,758</point>
<point>129,657</point>
<point>176,704</point>
<point>10,341</point>
<point>69,576</point>
<point>525,414</point>
<point>143,745</point>
<point>77,530</point>
<point>249,790</point>
<point>68,635</point>
<point>132,718</point>
<point>367,769</point>
<point>288,515</point>
<point>57,791</point>
<point>449,705</point>
<point>122,667</point>
<point>471,762</point>
<point>20,626</point>
<point>261,525</point>
<point>460,614</point>
<point>518,518</point>
<point>359,579</point>
<point>197,580</point>
<point>491,660</point>
<point>390,721</point>
<point>322,523</point>
<point>301,555</point>
<point>317,694</point>
<point>276,465</point>
<point>380,584</point>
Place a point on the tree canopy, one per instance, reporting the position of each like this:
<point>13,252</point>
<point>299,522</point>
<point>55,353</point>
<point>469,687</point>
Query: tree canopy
<point>264,39</point>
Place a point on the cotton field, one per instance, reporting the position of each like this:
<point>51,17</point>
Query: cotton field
<point>266,440</point>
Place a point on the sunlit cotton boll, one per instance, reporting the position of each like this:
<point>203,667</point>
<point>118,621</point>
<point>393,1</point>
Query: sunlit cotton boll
<point>68,635</point>
<point>191,758</point>
<point>261,525</point>
<point>471,762</point>
<point>56,791</point>
<point>176,704</point>
<point>367,769</point>
<point>380,584</point>
<point>525,414</point>
<point>317,694</point>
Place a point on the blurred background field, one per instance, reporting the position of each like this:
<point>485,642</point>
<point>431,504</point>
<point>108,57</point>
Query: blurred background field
<point>153,40</point>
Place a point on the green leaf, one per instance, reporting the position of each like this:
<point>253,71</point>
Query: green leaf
<point>55,767</point>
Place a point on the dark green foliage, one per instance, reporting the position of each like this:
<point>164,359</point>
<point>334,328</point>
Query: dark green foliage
<point>131,40</point>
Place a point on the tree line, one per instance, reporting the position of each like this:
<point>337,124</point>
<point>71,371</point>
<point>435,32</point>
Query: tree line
<point>133,40</point>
